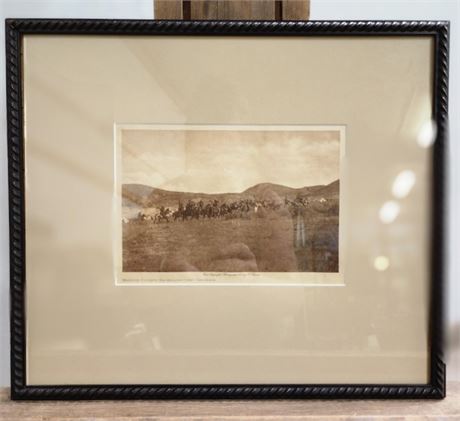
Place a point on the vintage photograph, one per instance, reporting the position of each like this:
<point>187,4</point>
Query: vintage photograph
<point>230,199</point>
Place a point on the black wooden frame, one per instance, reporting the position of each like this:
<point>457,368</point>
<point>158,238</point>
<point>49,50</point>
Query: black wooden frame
<point>16,28</point>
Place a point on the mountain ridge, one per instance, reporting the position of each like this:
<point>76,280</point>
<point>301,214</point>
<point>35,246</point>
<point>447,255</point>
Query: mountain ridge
<point>140,195</point>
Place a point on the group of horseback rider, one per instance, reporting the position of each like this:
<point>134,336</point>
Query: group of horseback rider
<point>202,210</point>
<point>216,209</point>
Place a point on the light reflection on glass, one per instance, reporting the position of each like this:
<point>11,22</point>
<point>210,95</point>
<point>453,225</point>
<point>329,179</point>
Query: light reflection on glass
<point>381,263</point>
<point>137,329</point>
<point>389,211</point>
<point>403,184</point>
<point>427,134</point>
<point>156,343</point>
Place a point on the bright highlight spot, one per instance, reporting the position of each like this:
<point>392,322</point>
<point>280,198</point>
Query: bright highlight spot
<point>389,211</point>
<point>427,134</point>
<point>381,263</point>
<point>403,184</point>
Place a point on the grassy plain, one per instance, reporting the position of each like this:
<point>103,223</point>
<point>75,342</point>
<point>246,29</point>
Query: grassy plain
<point>268,241</point>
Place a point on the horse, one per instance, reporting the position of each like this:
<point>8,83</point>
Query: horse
<point>163,215</point>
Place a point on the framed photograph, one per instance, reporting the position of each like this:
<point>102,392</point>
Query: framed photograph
<point>231,209</point>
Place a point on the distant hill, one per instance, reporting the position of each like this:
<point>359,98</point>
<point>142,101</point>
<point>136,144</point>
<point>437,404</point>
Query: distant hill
<point>135,194</point>
<point>331,189</point>
<point>138,195</point>
<point>264,190</point>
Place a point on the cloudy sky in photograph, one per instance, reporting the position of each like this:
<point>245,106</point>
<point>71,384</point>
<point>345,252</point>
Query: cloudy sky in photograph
<point>224,161</point>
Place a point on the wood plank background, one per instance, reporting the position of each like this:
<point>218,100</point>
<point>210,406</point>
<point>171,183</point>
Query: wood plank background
<point>232,9</point>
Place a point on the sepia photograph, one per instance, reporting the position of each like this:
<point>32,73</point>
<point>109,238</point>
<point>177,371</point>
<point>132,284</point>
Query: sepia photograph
<point>229,199</point>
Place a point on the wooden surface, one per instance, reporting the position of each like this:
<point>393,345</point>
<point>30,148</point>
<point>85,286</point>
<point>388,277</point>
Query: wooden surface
<point>296,10</point>
<point>447,409</point>
<point>244,9</point>
<point>232,9</point>
<point>204,9</point>
<point>168,9</point>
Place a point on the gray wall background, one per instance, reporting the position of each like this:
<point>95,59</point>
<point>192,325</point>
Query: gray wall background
<point>320,10</point>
